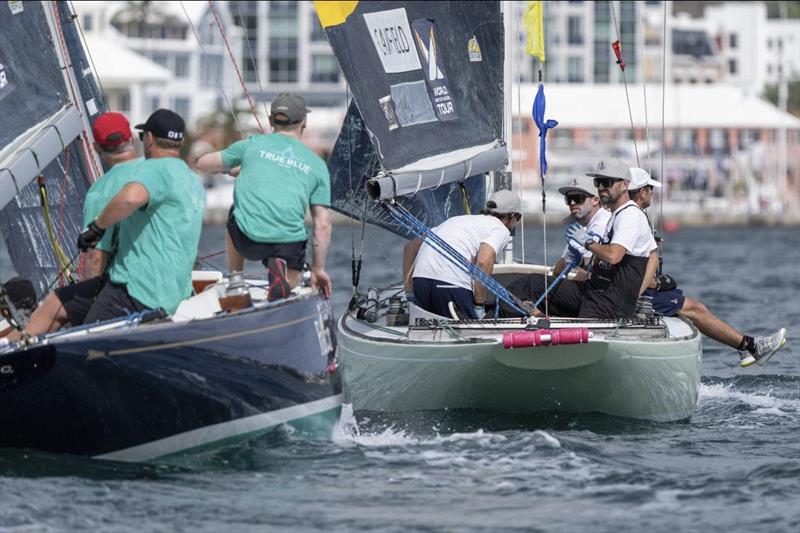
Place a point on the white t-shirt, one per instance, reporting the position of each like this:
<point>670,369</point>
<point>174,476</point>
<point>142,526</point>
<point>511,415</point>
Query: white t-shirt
<point>631,230</point>
<point>465,234</point>
<point>597,224</point>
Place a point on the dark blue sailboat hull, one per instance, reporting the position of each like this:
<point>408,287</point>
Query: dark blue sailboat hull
<point>158,389</point>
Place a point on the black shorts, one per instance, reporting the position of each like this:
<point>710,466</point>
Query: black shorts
<point>112,302</point>
<point>78,298</point>
<point>294,253</point>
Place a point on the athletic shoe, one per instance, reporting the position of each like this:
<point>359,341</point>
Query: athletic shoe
<point>765,347</point>
<point>276,276</point>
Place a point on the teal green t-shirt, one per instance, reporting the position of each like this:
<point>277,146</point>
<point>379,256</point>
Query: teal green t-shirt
<point>102,191</point>
<point>279,179</point>
<point>158,243</point>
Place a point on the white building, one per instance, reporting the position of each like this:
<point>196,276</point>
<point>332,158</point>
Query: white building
<point>161,38</point>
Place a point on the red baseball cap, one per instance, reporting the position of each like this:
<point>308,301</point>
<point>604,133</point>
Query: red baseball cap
<point>111,129</point>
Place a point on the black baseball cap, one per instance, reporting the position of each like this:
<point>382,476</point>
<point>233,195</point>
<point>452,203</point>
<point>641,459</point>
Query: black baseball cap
<point>165,124</point>
<point>293,106</point>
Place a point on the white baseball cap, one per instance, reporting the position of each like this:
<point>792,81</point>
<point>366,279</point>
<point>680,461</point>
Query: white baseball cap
<point>641,178</point>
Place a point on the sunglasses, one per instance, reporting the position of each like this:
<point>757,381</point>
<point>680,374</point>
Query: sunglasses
<point>605,183</point>
<point>576,199</point>
<point>141,135</point>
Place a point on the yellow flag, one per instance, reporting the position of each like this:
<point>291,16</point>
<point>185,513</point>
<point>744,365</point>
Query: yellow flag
<point>533,24</point>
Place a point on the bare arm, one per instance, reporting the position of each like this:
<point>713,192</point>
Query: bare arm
<point>94,263</point>
<point>485,262</point>
<point>559,266</point>
<point>410,251</point>
<point>649,280</point>
<point>321,240</point>
<point>133,196</point>
<point>211,162</point>
<point>610,253</point>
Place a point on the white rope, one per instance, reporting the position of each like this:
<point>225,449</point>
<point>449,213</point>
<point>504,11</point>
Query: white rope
<point>663,101</point>
<point>644,92</point>
<point>515,48</point>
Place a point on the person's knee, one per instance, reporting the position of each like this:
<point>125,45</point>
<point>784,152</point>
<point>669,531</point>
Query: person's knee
<point>692,307</point>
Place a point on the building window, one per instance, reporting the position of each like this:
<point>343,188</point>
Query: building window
<point>575,30</point>
<point>283,60</point>
<point>732,66</point>
<point>124,101</point>
<point>769,43</point>
<point>210,70</point>
<point>155,103</point>
<point>575,69</point>
<point>160,59</point>
<point>245,15</point>
<point>87,23</point>
<point>317,33</point>
<point>181,107</point>
<point>181,69</point>
<point>324,69</point>
<point>733,40</point>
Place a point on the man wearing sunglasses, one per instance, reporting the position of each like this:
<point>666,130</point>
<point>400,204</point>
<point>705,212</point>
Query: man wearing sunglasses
<point>620,260</point>
<point>436,282</point>
<point>585,209</point>
<point>669,300</point>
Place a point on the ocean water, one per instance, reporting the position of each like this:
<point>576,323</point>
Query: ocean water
<point>734,467</point>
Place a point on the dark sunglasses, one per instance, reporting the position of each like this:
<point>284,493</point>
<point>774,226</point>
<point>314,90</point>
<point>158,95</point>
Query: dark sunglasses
<point>141,135</point>
<point>605,183</point>
<point>576,199</point>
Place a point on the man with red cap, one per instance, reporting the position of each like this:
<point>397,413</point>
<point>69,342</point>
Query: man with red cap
<point>70,304</point>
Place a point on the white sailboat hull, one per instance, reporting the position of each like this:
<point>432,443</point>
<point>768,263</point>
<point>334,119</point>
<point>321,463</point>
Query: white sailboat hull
<point>653,378</point>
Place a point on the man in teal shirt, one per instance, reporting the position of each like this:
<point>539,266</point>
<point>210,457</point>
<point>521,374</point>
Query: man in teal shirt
<point>279,178</point>
<point>70,304</point>
<point>160,216</point>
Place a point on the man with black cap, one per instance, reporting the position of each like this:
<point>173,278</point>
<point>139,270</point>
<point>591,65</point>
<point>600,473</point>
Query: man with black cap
<point>160,216</point>
<point>70,304</point>
<point>669,300</point>
<point>279,179</point>
<point>479,239</point>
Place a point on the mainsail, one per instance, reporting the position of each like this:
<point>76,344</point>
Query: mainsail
<point>426,79</point>
<point>45,110</point>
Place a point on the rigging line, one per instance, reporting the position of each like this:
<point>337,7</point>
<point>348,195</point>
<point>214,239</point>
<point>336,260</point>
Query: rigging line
<point>219,82</point>
<point>644,93</point>
<point>625,82</point>
<point>64,269</point>
<point>235,64</point>
<point>383,253</point>
<point>94,167</point>
<point>515,50</point>
<point>64,183</point>
<point>253,61</point>
<point>88,51</point>
<point>663,101</point>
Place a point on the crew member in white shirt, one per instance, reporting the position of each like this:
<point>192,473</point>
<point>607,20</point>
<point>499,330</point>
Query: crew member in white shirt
<point>620,257</point>
<point>479,239</point>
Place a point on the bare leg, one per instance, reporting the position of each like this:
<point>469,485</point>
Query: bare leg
<point>235,259</point>
<point>710,325</point>
<point>48,317</point>
<point>293,277</point>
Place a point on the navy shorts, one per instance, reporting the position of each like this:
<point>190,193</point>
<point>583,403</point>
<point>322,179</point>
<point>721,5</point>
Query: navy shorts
<point>78,298</point>
<point>434,296</point>
<point>294,253</point>
<point>667,303</point>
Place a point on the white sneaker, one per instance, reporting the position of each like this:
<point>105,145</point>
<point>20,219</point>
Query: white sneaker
<point>765,347</point>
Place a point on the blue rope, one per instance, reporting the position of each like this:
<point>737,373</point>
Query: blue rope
<point>552,286</point>
<point>408,220</point>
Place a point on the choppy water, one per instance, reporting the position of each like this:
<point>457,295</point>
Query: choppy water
<point>734,467</point>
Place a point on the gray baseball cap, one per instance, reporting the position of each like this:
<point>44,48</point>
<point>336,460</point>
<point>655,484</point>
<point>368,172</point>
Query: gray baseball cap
<point>611,168</point>
<point>581,184</point>
<point>503,202</point>
<point>291,105</point>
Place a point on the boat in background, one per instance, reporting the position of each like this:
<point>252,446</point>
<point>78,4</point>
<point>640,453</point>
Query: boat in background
<point>228,365</point>
<point>427,150</point>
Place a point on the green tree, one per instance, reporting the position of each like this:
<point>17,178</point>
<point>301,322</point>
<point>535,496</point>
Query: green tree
<point>793,100</point>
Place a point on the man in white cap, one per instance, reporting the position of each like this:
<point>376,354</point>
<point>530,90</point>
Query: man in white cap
<point>669,300</point>
<point>479,239</point>
<point>620,257</point>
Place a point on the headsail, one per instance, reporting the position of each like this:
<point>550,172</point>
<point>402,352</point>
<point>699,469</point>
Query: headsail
<point>45,112</point>
<point>426,79</point>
